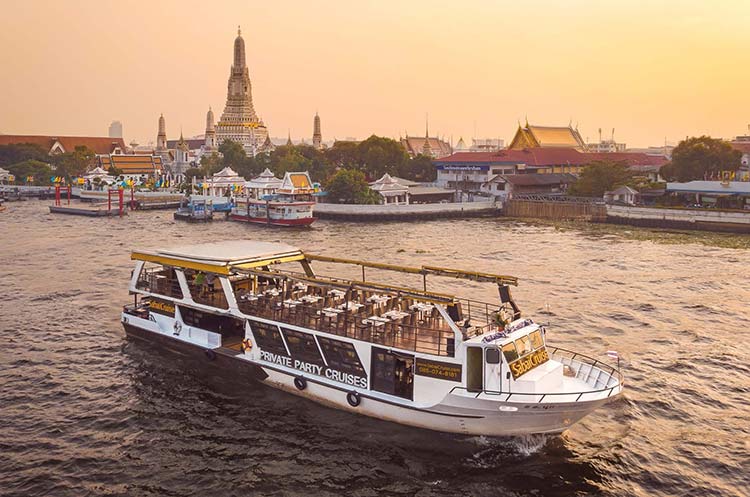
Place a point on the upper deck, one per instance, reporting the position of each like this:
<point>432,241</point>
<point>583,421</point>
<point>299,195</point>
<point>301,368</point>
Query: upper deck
<point>254,281</point>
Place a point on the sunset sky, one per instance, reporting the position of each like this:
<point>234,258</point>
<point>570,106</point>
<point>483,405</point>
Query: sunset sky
<point>649,69</point>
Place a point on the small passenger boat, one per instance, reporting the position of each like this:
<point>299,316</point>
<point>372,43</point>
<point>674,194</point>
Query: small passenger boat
<point>403,354</point>
<point>291,205</point>
<point>195,211</point>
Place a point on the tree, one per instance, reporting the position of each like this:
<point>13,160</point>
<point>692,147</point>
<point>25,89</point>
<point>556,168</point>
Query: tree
<point>210,164</point>
<point>19,152</point>
<point>114,171</point>
<point>699,158</point>
<point>74,163</point>
<point>601,176</point>
<point>290,161</point>
<point>379,155</point>
<point>233,154</point>
<point>343,154</point>
<point>348,186</point>
<point>39,170</point>
<point>420,168</point>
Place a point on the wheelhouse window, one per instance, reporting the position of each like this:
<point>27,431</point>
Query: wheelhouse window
<point>159,279</point>
<point>523,345</point>
<point>536,339</point>
<point>509,352</point>
<point>492,356</point>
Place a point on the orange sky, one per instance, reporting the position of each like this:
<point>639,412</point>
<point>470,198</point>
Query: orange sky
<point>649,69</point>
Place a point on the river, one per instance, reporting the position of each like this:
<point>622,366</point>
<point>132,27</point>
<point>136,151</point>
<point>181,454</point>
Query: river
<point>83,411</point>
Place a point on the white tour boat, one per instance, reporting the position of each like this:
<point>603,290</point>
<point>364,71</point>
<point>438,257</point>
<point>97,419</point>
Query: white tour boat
<point>406,355</point>
<point>290,205</point>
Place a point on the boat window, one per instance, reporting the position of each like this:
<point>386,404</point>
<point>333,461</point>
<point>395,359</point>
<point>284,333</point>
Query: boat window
<point>492,356</point>
<point>536,339</point>
<point>523,345</point>
<point>510,353</point>
<point>392,373</point>
<point>302,346</point>
<point>268,337</point>
<point>342,356</point>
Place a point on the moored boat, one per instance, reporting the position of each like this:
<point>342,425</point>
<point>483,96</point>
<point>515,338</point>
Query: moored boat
<point>407,355</point>
<point>290,205</point>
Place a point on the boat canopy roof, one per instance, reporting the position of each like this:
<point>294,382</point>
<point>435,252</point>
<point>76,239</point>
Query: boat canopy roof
<point>236,255</point>
<point>222,257</point>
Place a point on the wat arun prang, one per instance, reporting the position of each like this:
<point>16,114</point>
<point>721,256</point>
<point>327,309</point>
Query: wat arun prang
<point>239,122</point>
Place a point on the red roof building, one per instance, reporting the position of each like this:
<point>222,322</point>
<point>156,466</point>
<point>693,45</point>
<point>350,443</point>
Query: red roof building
<point>100,145</point>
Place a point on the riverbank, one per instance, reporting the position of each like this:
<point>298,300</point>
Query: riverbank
<point>392,212</point>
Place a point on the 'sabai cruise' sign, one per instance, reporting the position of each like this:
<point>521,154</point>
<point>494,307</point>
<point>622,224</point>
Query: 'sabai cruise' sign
<point>161,307</point>
<point>529,362</point>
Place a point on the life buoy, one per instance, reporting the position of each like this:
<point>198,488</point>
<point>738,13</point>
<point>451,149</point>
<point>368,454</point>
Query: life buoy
<point>300,382</point>
<point>210,354</point>
<point>177,327</point>
<point>353,399</point>
<point>247,345</point>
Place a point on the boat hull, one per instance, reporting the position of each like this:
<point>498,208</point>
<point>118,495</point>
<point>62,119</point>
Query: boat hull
<point>306,221</point>
<point>456,413</point>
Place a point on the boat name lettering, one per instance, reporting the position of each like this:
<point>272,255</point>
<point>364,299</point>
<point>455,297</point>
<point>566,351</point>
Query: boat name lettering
<point>529,362</point>
<point>161,307</point>
<point>315,369</point>
<point>437,369</point>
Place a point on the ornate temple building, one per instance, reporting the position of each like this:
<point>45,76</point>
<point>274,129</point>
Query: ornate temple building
<point>530,136</point>
<point>181,157</point>
<point>426,145</point>
<point>317,135</point>
<point>209,144</point>
<point>239,122</point>
<point>161,141</point>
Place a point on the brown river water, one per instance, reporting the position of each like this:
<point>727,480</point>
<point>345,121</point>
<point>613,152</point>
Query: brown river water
<point>83,411</point>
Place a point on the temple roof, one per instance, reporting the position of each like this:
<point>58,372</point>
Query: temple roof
<point>547,136</point>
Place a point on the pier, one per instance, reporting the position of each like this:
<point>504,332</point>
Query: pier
<point>352,212</point>
<point>87,210</point>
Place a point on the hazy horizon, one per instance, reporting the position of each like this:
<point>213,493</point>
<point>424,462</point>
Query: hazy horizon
<point>652,71</point>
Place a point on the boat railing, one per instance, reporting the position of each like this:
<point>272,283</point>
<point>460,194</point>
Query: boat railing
<point>480,315</point>
<point>424,337</point>
<point>603,378</point>
<point>159,281</point>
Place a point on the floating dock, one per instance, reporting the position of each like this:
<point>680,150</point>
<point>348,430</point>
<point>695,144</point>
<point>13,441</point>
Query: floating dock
<point>394,212</point>
<point>90,211</point>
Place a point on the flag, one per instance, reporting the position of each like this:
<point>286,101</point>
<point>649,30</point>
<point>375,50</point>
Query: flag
<point>612,354</point>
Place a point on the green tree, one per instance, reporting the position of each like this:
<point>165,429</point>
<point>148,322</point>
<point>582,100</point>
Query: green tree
<point>343,154</point>
<point>74,163</point>
<point>288,159</point>
<point>211,164</point>
<point>420,168</point>
<point>349,186</point>
<point>19,152</point>
<point>379,155</point>
<point>39,170</point>
<point>115,171</point>
<point>233,154</point>
<point>601,176</point>
<point>700,157</point>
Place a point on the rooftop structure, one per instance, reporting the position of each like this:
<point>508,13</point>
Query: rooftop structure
<point>55,145</point>
<point>531,136</point>
<point>133,165</point>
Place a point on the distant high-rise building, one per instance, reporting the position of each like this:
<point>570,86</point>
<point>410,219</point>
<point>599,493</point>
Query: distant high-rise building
<point>317,135</point>
<point>115,129</point>
<point>239,122</point>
